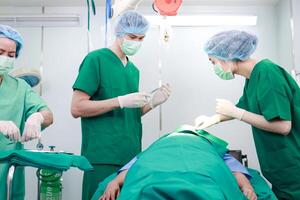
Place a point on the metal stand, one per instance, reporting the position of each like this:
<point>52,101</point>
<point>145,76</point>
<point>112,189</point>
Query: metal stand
<point>38,187</point>
<point>9,180</point>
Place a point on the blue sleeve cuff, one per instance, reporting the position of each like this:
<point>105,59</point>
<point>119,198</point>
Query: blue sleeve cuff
<point>235,166</point>
<point>128,165</point>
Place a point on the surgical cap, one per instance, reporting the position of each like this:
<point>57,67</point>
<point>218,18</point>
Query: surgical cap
<point>131,22</point>
<point>9,32</point>
<point>231,45</point>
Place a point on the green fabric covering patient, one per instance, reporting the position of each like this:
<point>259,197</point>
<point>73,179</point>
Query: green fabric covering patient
<point>184,165</point>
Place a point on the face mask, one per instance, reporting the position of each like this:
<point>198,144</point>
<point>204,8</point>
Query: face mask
<point>222,74</point>
<point>6,64</point>
<point>130,47</point>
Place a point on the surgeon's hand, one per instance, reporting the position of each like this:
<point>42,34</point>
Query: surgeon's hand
<point>112,191</point>
<point>10,130</point>
<point>32,129</point>
<point>227,108</point>
<point>160,96</point>
<point>134,100</point>
<point>203,121</point>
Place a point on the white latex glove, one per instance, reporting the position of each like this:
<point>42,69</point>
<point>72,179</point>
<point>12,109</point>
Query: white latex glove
<point>133,100</point>
<point>225,107</point>
<point>204,121</point>
<point>32,129</point>
<point>160,96</point>
<point>10,130</point>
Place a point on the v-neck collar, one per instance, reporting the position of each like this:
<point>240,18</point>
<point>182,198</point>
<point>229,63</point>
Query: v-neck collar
<point>120,61</point>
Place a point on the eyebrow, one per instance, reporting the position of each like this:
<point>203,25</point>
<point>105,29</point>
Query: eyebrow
<point>8,52</point>
<point>140,37</point>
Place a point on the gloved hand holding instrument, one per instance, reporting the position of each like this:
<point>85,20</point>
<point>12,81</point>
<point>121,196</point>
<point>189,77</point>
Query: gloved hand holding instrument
<point>133,100</point>
<point>10,130</point>
<point>160,95</point>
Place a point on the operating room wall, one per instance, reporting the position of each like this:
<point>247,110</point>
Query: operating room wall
<point>185,67</point>
<point>296,41</point>
<point>284,31</point>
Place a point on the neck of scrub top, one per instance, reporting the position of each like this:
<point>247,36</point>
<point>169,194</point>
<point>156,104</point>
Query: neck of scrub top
<point>1,78</point>
<point>244,68</point>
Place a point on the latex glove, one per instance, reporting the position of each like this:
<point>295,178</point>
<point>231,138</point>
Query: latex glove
<point>111,192</point>
<point>249,193</point>
<point>10,130</point>
<point>225,107</point>
<point>133,100</point>
<point>204,121</point>
<point>32,129</point>
<point>160,96</point>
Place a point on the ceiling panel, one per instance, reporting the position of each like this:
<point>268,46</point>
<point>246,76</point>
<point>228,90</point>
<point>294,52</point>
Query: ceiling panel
<point>144,3</point>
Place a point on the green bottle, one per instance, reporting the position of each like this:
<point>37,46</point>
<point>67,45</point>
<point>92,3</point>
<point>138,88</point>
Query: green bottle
<point>50,181</point>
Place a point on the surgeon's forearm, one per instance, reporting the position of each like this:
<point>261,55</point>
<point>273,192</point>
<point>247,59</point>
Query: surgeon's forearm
<point>89,108</point>
<point>48,117</point>
<point>83,106</point>
<point>276,126</point>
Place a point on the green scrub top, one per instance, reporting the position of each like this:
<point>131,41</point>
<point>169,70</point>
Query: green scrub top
<point>17,102</point>
<point>272,92</point>
<point>113,137</point>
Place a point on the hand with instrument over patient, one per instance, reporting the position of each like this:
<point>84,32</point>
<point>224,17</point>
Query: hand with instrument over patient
<point>203,121</point>
<point>225,111</point>
<point>225,107</point>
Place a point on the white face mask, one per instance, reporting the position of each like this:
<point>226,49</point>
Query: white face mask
<point>6,64</point>
<point>130,47</point>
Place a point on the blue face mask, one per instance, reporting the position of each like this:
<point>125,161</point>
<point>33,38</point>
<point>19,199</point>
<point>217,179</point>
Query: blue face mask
<point>130,47</point>
<point>223,74</point>
<point>6,64</point>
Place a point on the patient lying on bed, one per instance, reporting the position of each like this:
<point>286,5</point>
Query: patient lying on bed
<point>182,165</point>
<point>239,171</point>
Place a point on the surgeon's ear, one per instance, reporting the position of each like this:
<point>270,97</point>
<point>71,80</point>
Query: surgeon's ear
<point>214,60</point>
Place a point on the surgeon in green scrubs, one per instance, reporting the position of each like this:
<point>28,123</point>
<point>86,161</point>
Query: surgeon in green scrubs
<point>22,112</point>
<point>106,96</point>
<point>270,104</point>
